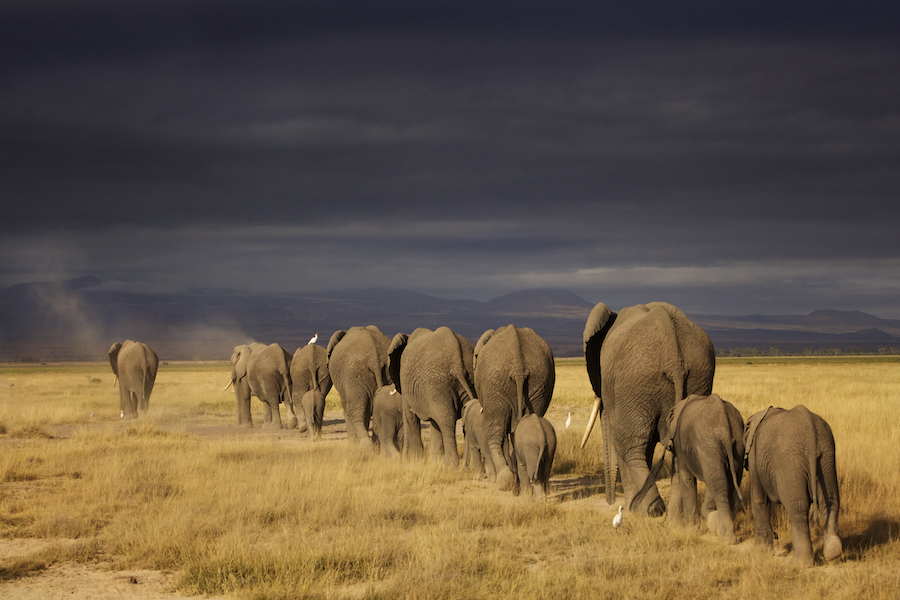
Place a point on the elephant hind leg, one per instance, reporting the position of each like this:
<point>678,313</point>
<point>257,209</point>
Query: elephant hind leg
<point>132,411</point>
<point>506,479</point>
<point>446,442</point>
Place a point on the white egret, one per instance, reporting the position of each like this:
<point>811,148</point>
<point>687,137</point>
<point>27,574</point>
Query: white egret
<point>617,520</point>
<point>313,339</point>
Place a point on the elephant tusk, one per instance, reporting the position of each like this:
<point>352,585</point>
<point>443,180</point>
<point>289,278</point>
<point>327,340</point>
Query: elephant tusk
<point>590,425</point>
<point>230,383</point>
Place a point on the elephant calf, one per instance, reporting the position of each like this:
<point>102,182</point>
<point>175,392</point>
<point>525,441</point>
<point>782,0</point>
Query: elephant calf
<point>312,404</point>
<point>387,420</point>
<point>790,460</point>
<point>476,451</point>
<point>535,447</point>
<point>706,438</point>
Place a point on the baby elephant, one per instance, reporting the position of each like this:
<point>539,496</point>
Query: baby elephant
<point>706,438</point>
<point>313,405</point>
<point>476,450</point>
<point>535,444</point>
<point>790,461</point>
<point>387,420</point>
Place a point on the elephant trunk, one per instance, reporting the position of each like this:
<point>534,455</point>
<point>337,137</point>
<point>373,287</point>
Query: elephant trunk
<point>598,408</point>
<point>611,460</point>
<point>648,483</point>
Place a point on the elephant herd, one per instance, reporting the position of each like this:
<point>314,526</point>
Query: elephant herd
<point>651,370</point>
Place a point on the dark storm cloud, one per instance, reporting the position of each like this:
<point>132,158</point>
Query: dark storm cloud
<point>457,148</point>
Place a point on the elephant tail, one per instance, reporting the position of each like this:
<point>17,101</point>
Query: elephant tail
<point>814,482</point>
<point>521,378</point>
<point>468,389</point>
<point>144,380</point>
<point>314,377</point>
<point>733,468</point>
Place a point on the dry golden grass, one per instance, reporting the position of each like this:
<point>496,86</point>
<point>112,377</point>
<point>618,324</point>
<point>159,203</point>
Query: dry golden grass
<point>276,516</point>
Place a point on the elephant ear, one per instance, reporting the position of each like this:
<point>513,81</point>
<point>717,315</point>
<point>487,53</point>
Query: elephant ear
<point>750,434</point>
<point>335,338</point>
<point>484,339</point>
<point>239,361</point>
<point>114,357</point>
<point>598,324</point>
<point>672,421</point>
<point>395,351</point>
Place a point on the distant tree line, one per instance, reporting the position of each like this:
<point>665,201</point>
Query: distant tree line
<point>773,351</point>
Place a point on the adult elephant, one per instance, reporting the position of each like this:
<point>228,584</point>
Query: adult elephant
<point>309,373</point>
<point>433,370</point>
<point>790,459</point>
<point>135,365</point>
<point>240,360</point>
<point>514,376</point>
<point>269,376</point>
<point>641,362</point>
<point>358,364</point>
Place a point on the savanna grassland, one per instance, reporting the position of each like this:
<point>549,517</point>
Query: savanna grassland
<point>268,514</point>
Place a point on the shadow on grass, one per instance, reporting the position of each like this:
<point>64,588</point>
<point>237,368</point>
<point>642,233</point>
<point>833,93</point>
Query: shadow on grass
<point>21,567</point>
<point>878,532</point>
<point>565,489</point>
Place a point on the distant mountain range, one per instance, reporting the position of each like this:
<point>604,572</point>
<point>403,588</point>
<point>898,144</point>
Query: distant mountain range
<point>79,319</point>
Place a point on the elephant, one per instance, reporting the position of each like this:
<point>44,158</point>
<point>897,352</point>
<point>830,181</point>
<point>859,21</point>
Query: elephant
<point>358,364</point>
<point>240,358</point>
<point>387,420</point>
<point>476,452</point>
<point>535,446</point>
<point>135,365</point>
<point>434,372</point>
<point>641,362</point>
<point>269,376</point>
<point>313,406</point>
<point>706,439</point>
<point>790,460</point>
<point>309,371</point>
<point>514,376</point>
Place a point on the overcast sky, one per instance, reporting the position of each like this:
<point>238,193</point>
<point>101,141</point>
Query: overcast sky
<point>729,157</point>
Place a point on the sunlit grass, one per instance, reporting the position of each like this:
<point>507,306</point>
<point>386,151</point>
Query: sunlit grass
<point>281,518</point>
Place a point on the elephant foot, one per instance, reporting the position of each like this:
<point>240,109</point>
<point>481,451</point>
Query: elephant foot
<point>833,548</point>
<point>292,423</point>
<point>302,427</point>
<point>657,508</point>
<point>712,521</point>
<point>506,481</point>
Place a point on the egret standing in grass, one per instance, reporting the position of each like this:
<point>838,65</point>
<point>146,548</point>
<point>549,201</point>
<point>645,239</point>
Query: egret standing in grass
<point>313,339</point>
<point>617,520</point>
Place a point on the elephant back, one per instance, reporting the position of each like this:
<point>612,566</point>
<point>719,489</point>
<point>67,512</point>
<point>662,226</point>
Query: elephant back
<point>357,361</point>
<point>514,376</point>
<point>309,371</point>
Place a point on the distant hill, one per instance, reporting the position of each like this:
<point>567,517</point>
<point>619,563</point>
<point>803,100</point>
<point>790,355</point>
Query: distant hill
<point>541,301</point>
<point>79,319</point>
